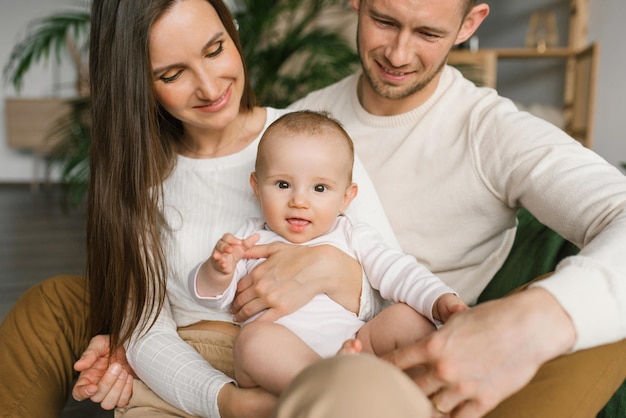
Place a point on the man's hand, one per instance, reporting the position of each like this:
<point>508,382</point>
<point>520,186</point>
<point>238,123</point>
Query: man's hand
<point>109,384</point>
<point>485,354</point>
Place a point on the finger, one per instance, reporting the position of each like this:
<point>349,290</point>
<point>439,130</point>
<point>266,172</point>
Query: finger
<point>112,396</point>
<point>250,241</point>
<point>251,288</point>
<point>250,309</point>
<point>270,315</point>
<point>407,357</point>
<point>263,250</point>
<point>244,296</point>
<point>426,381</point>
<point>83,390</point>
<point>222,248</point>
<point>230,239</point>
<point>459,308</point>
<point>446,401</point>
<point>89,359</point>
<point>107,382</point>
<point>127,392</point>
<point>85,361</point>
<point>471,409</point>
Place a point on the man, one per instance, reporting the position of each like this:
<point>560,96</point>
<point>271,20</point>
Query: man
<point>452,164</point>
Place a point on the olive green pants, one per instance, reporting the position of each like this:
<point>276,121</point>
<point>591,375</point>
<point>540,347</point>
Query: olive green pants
<point>46,332</point>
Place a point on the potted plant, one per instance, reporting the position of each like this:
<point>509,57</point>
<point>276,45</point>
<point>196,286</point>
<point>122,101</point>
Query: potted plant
<point>287,45</point>
<point>60,128</point>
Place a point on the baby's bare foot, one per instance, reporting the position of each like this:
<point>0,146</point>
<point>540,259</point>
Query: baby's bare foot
<point>352,346</point>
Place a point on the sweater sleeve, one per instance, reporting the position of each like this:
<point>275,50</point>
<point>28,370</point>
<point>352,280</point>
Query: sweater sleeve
<point>174,370</point>
<point>580,196</point>
<point>367,208</point>
<point>221,302</point>
<point>398,276</point>
<point>591,287</point>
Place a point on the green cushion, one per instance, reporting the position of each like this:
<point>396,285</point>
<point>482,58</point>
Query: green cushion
<point>537,250</point>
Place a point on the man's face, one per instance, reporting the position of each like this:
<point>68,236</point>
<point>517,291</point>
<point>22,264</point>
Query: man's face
<point>403,45</point>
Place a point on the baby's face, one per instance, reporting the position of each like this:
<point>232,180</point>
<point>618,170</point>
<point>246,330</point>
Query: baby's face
<point>304,185</point>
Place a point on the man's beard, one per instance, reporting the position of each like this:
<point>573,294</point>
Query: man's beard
<point>392,92</point>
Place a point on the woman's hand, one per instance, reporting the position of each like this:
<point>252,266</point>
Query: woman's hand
<point>483,355</point>
<point>234,402</point>
<point>292,275</point>
<point>108,383</point>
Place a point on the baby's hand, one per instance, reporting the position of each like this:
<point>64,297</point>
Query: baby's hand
<point>352,346</point>
<point>447,305</point>
<point>229,250</point>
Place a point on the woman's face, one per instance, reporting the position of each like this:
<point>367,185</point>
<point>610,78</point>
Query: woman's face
<point>198,72</point>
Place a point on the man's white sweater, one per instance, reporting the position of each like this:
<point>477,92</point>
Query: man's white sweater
<point>452,173</point>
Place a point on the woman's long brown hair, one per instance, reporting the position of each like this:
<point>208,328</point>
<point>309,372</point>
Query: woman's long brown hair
<point>132,151</point>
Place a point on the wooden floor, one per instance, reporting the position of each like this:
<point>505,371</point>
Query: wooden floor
<point>38,239</point>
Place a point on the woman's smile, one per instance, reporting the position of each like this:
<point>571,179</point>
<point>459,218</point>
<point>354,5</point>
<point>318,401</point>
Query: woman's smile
<point>216,105</point>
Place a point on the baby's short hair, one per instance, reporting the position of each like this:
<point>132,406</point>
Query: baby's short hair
<point>309,122</point>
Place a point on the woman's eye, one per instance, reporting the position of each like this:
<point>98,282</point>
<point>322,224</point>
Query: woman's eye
<point>215,50</point>
<point>282,184</point>
<point>320,188</point>
<point>169,79</point>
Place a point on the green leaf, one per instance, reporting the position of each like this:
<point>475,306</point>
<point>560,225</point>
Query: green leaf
<point>44,37</point>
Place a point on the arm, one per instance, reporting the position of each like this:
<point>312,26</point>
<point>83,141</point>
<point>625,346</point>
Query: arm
<point>484,354</point>
<point>398,276</point>
<point>216,273</point>
<point>174,370</point>
<point>110,384</point>
<point>583,198</point>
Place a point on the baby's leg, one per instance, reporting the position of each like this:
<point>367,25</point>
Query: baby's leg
<point>396,326</point>
<point>270,356</point>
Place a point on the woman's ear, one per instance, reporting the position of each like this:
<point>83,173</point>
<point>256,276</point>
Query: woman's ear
<point>471,22</point>
<point>254,184</point>
<point>349,196</point>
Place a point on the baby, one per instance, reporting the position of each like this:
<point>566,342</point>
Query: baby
<point>303,182</point>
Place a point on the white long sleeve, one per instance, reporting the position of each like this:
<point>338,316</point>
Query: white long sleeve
<point>161,358</point>
<point>398,276</point>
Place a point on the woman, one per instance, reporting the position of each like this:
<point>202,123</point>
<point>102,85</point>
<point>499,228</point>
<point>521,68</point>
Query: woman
<point>175,129</point>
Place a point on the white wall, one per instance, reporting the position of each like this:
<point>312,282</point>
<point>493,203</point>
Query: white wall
<point>44,80</point>
<point>507,23</point>
<point>606,26</point>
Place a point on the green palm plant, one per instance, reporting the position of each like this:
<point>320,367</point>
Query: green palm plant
<point>288,52</point>
<point>57,33</point>
<point>287,49</point>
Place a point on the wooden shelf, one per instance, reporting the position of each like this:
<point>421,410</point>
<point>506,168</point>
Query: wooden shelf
<point>533,53</point>
<point>580,74</point>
